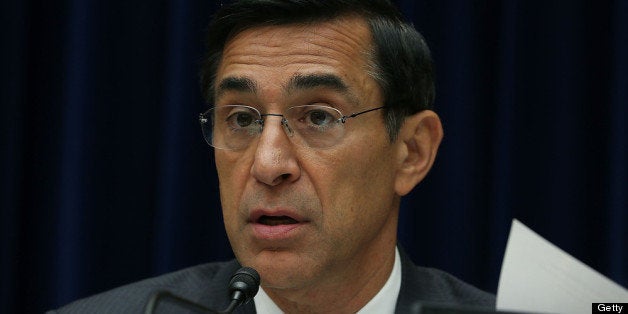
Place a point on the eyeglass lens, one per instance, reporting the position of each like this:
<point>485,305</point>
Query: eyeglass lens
<point>235,127</point>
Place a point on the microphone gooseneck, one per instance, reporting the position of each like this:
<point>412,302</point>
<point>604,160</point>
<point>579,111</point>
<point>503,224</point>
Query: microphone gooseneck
<point>243,286</point>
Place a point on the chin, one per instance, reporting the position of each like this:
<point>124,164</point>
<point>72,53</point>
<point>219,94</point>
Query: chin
<point>280,269</point>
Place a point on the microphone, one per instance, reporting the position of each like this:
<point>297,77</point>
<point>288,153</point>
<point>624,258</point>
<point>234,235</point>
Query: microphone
<point>243,286</point>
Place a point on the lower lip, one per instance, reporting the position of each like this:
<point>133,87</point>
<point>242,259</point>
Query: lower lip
<point>277,232</point>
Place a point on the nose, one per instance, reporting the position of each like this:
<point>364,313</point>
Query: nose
<point>275,161</point>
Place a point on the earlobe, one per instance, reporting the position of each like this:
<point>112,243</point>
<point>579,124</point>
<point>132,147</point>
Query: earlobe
<point>419,139</point>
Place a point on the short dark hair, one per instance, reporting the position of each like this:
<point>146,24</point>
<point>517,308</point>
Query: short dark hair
<point>402,61</point>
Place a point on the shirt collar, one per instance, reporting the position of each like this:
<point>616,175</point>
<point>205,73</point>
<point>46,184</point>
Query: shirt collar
<point>383,302</point>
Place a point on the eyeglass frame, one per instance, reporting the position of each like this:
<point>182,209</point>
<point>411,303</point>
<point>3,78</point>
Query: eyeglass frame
<point>203,119</point>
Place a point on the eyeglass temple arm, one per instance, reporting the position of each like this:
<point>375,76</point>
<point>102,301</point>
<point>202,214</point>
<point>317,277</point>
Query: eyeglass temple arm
<point>344,118</point>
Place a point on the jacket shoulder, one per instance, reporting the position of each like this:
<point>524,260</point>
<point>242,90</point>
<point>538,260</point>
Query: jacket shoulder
<point>422,285</point>
<point>204,284</point>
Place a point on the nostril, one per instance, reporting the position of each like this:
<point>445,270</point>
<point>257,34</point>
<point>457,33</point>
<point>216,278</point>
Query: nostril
<point>281,178</point>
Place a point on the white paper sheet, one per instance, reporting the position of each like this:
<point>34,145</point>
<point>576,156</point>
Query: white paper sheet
<point>537,276</point>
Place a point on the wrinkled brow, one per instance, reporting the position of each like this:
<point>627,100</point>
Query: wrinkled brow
<point>296,83</point>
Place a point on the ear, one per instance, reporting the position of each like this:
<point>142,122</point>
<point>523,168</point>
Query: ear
<point>418,141</point>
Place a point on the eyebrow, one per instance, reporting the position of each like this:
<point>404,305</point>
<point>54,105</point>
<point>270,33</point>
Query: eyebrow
<point>236,84</point>
<point>311,81</point>
<point>297,82</point>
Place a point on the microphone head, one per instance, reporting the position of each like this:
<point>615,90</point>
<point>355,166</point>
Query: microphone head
<point>246,280</point>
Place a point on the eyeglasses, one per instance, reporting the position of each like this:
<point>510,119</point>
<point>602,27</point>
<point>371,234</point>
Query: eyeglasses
<point>234,127</point>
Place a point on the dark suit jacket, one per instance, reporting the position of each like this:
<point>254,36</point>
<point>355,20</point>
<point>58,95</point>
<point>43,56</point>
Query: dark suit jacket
<point>207,284</point>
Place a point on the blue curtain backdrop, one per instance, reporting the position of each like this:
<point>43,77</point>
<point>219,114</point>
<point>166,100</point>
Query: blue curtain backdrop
<point>105,178</point>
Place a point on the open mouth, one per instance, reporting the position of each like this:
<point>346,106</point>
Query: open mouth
<point>276,220</point>
<point>277,224</point>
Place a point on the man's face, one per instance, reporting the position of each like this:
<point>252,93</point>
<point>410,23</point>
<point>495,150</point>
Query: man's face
<point>295,213</point>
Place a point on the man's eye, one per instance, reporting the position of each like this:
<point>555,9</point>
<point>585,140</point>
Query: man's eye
<point>241,119</point>
<point>319,117</point>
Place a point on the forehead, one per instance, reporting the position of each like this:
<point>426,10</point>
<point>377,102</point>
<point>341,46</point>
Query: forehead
<point>277,53</point>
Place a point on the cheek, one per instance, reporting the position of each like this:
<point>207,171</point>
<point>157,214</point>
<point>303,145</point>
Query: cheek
<point>232,177</point>
<point>351,182</point>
